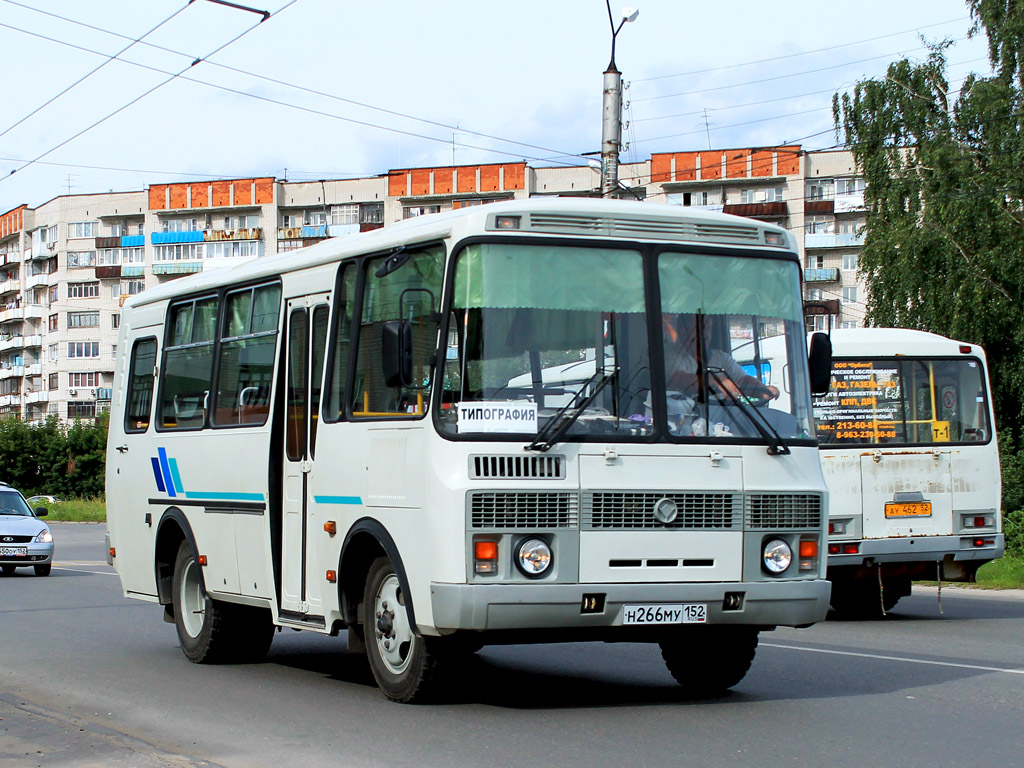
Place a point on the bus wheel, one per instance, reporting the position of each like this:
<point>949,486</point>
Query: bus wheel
<point>708,661</point>
<point>860,599</point>
<point>402,664</point>
<point>211,631</point>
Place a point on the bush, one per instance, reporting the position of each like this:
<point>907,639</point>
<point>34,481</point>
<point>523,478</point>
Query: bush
<point>1011,459</point>
<point>54,458</point>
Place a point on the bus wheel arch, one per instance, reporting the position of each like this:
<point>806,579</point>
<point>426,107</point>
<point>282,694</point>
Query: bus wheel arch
<point>172,530</point>
<point>366,541</point>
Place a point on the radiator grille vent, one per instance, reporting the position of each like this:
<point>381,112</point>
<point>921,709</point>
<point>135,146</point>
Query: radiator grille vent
<point>777,510</point>
<point>605,510</point>
<point>517,467</point>
<point>524,509</point>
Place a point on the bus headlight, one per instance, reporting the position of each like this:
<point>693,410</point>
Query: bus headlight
<point>533,557</point>
<point>777,556</point>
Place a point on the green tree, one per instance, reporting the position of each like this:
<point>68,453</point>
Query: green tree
<point>51,457</point>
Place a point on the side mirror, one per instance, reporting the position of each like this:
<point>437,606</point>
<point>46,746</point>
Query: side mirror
<point>396,353</point>
<point>819,361</point>
<point>42,511</point>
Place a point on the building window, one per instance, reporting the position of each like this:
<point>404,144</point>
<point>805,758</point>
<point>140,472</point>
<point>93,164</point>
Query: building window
<point>81,259</point>
<point>83,349</point>
<point>344,214</point>
<point>115,320</point>
<point>850,261</point>
<point>82,229</point>
<point>849,226</point>
<point>412,211</point>
<point>179,252</point>
<point>83,319</point>
<point>82,410</point>
<point>819,189</point>
<point>54,381</point>
<point>132,287</point>
<point>288,245</point>
<point>54,293</point>
<point>90,379</point>
<point>820,225</point>
<point>83,290</point>
<point>849,186</point>
<point>49,235</point>
<point>762,195</point>
<point>114,256</point>
<point>53,324</point>
<point>110,257</point>
<point>52,354</point>
<point>232,249</point>
<point>180,224</point>
<point>849,324</point>
<point>245,221</point>
<point>850,294</point>
<point>371,213</point>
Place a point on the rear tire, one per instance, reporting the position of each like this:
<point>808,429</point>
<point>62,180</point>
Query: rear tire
<point>9,569</point>
<point>403,663</point>
<point>708,661</point>
<point>211,631</point>
<point>859,598</point>
<point>43,570</point>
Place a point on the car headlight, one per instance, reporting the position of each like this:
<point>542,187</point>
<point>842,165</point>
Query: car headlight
<point>43,537</point>
<point>533,557</point>
<point>777,556</point>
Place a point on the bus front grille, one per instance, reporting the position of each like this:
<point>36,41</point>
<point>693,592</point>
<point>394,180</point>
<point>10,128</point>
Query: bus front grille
<point>524,509</point>
<point>610,510</point>
<point>783,510</point>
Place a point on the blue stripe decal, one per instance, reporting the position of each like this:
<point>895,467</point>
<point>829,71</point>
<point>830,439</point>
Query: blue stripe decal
<point>156,473</point>
<point>177,478</point>
<point>212,496</point>
<point>337,500</point>
<point>166,471</point>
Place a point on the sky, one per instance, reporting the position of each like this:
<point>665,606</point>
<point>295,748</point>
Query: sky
<point>326,89</point>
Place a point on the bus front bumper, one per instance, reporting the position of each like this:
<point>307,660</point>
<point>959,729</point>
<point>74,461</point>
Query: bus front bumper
<point>487,607</point>
<point>913,549</point>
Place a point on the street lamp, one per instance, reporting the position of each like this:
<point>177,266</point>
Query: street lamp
<point>611,124</point>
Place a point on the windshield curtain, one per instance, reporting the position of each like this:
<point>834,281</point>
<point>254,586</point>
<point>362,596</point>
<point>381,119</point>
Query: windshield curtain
<point>896,402</point>
<point>732,332</point>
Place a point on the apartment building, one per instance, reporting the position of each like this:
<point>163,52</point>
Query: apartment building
<point>67,266</point>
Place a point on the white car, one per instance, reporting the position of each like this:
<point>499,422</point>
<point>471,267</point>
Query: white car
<point>25,540</point>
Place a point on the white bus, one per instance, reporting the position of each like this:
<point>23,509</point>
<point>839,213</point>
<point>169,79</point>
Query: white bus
<point>359,437</point>
<point>908,449</point>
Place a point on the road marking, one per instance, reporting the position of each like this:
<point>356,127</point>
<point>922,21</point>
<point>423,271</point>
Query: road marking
<point>896,658</point>
<point>79,562</point>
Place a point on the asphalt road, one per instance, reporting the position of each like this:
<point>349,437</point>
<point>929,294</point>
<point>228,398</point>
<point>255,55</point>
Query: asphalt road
<point>90,678</point>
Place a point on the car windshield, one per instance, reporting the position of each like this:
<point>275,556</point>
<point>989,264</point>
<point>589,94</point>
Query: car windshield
<point>556,340</point>
<point>11,503</point>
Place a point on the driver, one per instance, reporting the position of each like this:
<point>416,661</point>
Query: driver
<point>680,332</point>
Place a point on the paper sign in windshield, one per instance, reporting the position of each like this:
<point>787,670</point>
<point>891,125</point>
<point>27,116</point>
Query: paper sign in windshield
<point>503,417</point>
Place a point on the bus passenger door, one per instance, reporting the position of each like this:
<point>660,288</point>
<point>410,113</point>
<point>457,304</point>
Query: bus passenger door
<point>306,342</point>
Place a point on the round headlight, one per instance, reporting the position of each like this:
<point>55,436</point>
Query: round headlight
<point>777,556</point>
<point>533,556</point>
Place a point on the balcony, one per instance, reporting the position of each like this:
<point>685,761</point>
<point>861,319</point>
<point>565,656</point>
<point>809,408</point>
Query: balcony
<point>10,400</point>
<point>133,270</point>
<point>36,369</point>
<point>757,210</point>
<point>37,311</point>
<point>108,242</point>
<point>12,342</point>
<point>8,371</point>
<point>832,240</point>
<point>10,286</point>
<point>218,235</point>
<point>42,279</point>
<point>178,268</point>
<point>11,313</point>
<point>171,238</point>
<point>104,393</point>
<point>822,275</point>
<point>37,397</point>
<point>33,341</point>
<point>108,272</point>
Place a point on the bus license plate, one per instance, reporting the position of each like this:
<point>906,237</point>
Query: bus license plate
<point>13,551</point>
<point>675,613</point>
<point>908,509</point>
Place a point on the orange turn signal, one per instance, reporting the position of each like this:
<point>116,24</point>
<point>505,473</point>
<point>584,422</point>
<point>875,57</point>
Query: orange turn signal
<point>808,548</point>
<point>202,559</point>
<point>332,576</point>
<point>486,550</point>
<point>113,552</point>
<point>331,527</point>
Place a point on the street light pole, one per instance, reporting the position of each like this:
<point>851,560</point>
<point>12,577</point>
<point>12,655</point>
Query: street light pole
<point>611,122</point>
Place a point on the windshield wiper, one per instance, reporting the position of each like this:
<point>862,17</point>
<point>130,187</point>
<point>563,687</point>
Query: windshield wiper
<point>560,423</point>
<point>776,445</point>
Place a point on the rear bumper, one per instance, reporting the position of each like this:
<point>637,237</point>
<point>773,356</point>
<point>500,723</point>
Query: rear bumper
<point>498,607</point>
<point>914,549</point>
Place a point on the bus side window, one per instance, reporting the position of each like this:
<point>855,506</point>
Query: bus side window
<point>411,292</point>
<point>140,386</point>
<point>188,364</point>
<point>246,363</point>
<point>341,338</point>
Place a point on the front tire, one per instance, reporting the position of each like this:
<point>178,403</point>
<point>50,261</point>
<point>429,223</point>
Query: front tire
<point>9,569</point>
<point>708,661</point>
<point>401,660</point>
<point>43,570</point>
<point>211,631</point>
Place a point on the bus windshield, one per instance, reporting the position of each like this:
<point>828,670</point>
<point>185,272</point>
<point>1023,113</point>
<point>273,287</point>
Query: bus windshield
<point>542,333</point>
<point>903,401</point>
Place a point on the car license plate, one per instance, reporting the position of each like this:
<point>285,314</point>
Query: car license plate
<point>674,613</point>
<point>13,551</point>
<point>908,509</point>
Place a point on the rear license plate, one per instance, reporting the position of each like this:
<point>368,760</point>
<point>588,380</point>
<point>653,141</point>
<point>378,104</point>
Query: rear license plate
<point>13,551</point>
<point>908,509</point>
<point>675,613</point>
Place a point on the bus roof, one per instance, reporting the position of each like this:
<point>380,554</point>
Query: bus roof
<point>886,342</point>
<point>548,216</point>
